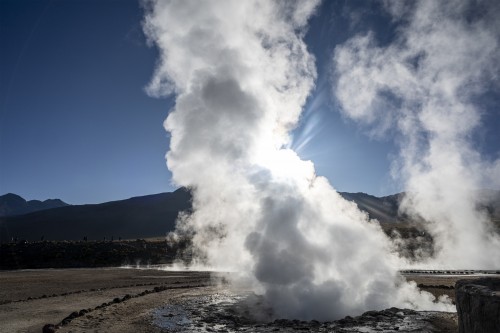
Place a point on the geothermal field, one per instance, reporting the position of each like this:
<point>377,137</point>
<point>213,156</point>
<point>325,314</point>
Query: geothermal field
<point>273,110</point>
<point>154,300</point>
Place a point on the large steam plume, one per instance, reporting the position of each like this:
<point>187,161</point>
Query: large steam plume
<point>428,84</point>
<point>241,74</point>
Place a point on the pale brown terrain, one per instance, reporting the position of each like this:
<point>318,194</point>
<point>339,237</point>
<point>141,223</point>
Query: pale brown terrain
<point>152,300</point>
<point>29,299</point>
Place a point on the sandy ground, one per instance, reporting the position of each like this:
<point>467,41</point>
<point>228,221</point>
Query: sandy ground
<point>29,299</point>
<point>131,300</point>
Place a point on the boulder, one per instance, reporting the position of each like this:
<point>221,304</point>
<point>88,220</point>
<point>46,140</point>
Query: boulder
<point>478,305</point>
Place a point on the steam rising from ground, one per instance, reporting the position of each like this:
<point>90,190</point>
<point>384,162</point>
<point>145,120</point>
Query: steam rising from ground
<point>241,73</point>
<point>428,83</point>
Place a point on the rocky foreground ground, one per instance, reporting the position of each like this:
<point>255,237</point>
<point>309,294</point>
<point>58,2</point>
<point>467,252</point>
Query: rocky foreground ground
<point>150,300</point>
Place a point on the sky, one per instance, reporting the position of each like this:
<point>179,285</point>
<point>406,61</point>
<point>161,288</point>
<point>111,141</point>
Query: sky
<point>77,124</point>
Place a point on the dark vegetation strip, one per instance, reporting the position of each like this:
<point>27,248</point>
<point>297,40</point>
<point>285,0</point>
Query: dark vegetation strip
<point>441,286</point>
<point>64,254</point>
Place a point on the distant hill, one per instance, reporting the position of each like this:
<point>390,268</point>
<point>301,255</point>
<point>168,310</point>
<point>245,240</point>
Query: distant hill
<point>139,217</point>
<point>386,209</point>
<point>155,215</point>
<point>12,204</point>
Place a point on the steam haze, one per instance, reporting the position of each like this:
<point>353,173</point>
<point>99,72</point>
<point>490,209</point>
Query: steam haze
<point>426,86</point>
<point>241,74</point>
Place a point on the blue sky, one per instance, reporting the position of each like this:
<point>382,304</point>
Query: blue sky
<point>76,124</point>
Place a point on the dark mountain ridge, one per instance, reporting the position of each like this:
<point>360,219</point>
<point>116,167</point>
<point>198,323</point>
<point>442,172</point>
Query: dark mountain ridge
<point>155,215</point>
<point>138,217</point>
<point>384,209</point>
<point>12,204</point>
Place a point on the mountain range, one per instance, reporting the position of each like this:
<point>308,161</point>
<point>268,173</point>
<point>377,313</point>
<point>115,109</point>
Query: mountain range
<point>154,215</point>
<point>138,217</point>
<point>12,204</point>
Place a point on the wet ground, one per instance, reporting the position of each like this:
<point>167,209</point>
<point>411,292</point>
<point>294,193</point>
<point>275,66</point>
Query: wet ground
<point>227,312</point>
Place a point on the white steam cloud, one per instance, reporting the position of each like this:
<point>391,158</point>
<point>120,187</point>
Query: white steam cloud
<point>241,74</point>
<point>427,84</point>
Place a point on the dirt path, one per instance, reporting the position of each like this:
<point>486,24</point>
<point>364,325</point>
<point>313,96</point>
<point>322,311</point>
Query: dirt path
<point>134,315</point>
<point>31,299</point>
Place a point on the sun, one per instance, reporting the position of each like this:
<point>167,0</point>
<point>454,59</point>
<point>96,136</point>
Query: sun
<point>285,165</point>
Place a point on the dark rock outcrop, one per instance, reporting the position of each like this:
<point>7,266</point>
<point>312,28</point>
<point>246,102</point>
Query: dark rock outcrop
<point>478,305</point>
<point>49,328</point>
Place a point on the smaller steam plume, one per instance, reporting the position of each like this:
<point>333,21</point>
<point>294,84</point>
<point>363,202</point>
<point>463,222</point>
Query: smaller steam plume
<point>427,84</point>
<point>241,74</point>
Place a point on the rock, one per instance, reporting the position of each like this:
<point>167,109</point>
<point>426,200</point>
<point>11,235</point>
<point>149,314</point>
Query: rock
<point>314,323</point>
<point>73,315</point>
<point>370,314</point>
<point>478,305</point>
<point>49,328</point>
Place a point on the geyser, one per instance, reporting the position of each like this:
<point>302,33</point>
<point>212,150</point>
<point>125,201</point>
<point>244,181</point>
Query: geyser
<point>428,85</point>
<point>241,74</point>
